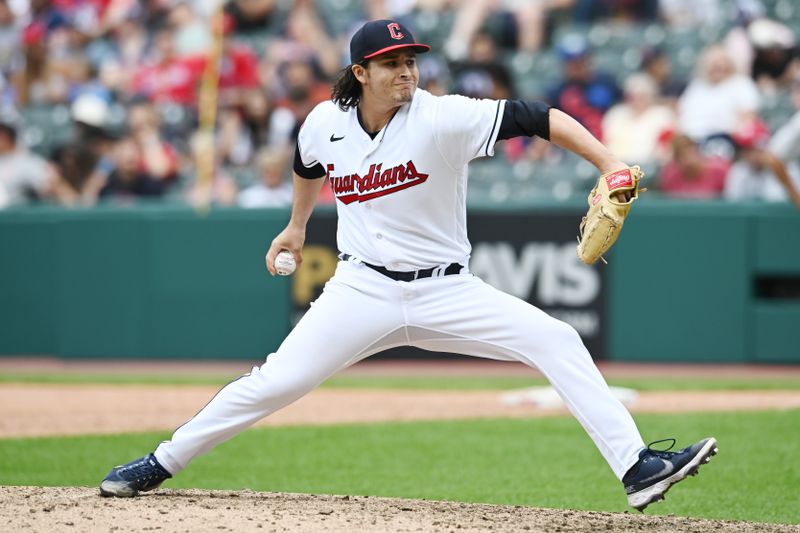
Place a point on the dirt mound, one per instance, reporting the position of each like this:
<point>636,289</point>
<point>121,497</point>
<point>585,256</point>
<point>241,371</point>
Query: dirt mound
<point>82,509</point>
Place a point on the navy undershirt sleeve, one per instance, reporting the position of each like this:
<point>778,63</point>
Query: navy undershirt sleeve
<point>309,173</point>
<point>527,119</point>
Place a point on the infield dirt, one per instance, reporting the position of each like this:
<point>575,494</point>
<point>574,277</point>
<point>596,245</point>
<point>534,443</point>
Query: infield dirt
<point>83,509</point>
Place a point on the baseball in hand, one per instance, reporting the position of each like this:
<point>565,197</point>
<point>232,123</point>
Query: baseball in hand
<point>284,263</point>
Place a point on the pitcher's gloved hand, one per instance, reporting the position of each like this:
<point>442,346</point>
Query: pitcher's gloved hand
<point>609,203</point>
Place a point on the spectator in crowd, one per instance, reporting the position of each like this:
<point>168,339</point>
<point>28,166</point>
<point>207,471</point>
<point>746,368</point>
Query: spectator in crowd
<point>24,177</point>
<point>9,39</point>
<point>238,68</point>
<point>127,180</point>
<point>272,189</point>
<point>156,157</point>
<point>583,93</point>
<point>47,16</point>
<point>785,144</point>
<point>99,163</point>
<point>483,74</point>
<point>435,75</point>
<point>211,183</point>
<point>718,100</point>
<point>153,13</point>
<point>759,174</point>
<point>255,113</point>
<point>690,173</point>
<point>36,81</point>
<point>690,13</point>
<point>74,182</point>
<point>234,145</point>
<point>775,61</point>
<point>527,23</point>
<point>633,130</point>
<point>618,10</point>
<point>166,77</point>
<point>106,16</point>
<point>251,15</point>
<point>89,125</point>
<point>243,128</point>
<point>82,78</point>
<point>190,34</point>
<point>120,60</point>
<point>302,92</point>
<point>658,65</point>
<point>305,36</point>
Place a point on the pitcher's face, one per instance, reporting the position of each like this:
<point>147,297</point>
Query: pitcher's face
<point>390,78</point>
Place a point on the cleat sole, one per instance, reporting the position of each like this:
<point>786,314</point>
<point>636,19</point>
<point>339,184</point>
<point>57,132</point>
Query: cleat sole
<point>117,489</point>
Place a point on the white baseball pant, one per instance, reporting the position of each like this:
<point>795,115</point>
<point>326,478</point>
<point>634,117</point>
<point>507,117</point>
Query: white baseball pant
<point>362,312</point>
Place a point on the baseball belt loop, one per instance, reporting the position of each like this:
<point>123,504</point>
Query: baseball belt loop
<point>416,274</point>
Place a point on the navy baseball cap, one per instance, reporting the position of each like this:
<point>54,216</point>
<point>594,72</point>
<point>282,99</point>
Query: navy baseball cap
<point>380,36</point>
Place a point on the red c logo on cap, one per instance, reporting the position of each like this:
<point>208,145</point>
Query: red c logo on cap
<point>394,31</point>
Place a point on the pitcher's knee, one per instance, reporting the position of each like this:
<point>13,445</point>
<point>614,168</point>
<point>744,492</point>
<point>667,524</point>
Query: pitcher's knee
<point>563,331</point>
<point>276,383</point>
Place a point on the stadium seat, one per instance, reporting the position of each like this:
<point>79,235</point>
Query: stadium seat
<point>46,126</point>
<point>533,73</point>
<point>431,27</point>
<point>340,15</point>
<point>776,109</point>
<point>244,176</point>
<point>257,41</point>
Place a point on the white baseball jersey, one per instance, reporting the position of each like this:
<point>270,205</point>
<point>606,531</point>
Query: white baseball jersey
<point>401,197</point>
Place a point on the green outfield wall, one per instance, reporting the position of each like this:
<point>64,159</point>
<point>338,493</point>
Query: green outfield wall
<point>140,282</point>
<point>707,282</point>
<point>687,281</point>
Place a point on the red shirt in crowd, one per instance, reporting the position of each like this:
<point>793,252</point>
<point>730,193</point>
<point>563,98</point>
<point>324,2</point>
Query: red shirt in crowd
<point>175,80</point>
<point>707,183</point>
<point>238,68</point>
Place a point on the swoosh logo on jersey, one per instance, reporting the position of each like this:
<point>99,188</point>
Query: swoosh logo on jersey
<point>376,183</point>
<point>334,138</point>
<point>664,472</point>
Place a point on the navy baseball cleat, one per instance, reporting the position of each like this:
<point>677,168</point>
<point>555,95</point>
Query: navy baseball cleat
<point>129,479</point>
<point>656,471</point>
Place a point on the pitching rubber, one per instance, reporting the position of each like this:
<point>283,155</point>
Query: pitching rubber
<point>640,500</point>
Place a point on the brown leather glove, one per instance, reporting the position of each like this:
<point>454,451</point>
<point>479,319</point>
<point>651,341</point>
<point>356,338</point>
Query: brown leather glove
<point>601,226</point>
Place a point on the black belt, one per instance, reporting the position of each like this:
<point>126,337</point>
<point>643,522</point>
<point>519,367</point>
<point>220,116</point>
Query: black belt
<point>452,268</point>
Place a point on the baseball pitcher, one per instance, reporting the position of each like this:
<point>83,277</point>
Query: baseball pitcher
<point>396,158</point>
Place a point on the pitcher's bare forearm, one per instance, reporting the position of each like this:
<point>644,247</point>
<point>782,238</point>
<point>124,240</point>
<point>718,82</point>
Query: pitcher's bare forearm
<point>568,133</point>
<point>305,194</point>
<point>292,238</point>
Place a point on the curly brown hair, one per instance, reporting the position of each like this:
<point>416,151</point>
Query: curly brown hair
<point>347,89</point>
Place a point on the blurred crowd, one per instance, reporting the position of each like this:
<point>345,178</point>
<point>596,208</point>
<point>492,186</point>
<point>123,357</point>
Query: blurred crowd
<point>99,99</point>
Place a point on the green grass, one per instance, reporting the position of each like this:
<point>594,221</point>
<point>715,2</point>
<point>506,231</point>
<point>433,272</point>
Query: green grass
<point>537,462</point>
<point>416,382</point>
<point>508,382</point>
